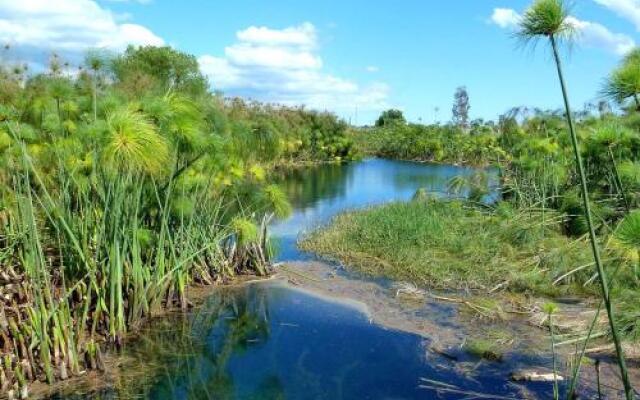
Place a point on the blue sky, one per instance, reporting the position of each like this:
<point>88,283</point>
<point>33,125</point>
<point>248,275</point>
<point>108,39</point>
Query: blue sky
<point>352,54</point>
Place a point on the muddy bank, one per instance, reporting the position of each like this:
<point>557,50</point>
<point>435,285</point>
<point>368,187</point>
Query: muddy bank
<point>454,324</point>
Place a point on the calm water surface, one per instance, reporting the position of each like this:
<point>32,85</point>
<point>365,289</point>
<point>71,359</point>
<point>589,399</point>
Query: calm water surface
<point>269,341</point>
<point>319,193</point>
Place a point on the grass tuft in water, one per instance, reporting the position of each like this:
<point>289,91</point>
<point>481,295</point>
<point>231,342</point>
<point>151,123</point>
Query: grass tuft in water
<point>485,349</point>
<point>455,245</point>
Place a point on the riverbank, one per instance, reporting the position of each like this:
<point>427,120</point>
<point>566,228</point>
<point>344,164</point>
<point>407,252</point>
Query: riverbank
<point>453,245</point>
<point>458,335</point>
<point>451,337</point>
<point>117,368</point>
<point>439,144</point>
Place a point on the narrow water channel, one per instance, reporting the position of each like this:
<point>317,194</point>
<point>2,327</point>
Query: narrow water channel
<point>272,340</point>
<point>319,193</point>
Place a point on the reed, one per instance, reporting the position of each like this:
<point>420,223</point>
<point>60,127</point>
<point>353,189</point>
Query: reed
<point>108,217</point>
<point>548,19</point>
<point>90,266</point>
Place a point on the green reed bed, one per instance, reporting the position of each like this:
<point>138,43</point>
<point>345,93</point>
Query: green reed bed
<point>114,199</point>
<point>453,244</point>
<point>84,266</point>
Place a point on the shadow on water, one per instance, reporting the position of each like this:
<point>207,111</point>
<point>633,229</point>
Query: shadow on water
<point>267,341</point>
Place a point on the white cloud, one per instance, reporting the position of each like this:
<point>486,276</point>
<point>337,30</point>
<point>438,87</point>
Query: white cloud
<point>283,66</point>
<point>597,35</point>
<point>248,55</point>
<point>505,17</point>
<point>590,34</point>
<point>276,65</point>
<point>220,70</point>
<point>34,28</point>
<point>303,35</point>
<point>628,9</point>
<point>372,68</point>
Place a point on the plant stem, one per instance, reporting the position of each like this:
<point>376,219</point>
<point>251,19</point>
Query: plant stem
<point>556,392</point>
<point>95,97</point>
<point>628,389</point>
<point>619,181</point>
<point>598,380</point>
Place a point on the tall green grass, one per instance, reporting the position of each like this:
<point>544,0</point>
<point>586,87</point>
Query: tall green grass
<point>549,20</point>
<point>91,254</point>
<point>454,244</point>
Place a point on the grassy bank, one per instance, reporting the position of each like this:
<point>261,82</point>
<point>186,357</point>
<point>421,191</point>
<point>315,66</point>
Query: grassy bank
<point>456,245</point>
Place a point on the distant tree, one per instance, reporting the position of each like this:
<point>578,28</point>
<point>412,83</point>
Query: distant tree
<point>391,117</point>
<point>461,107</point>
<point>604,108</point>
<point>481,127</point>
<point>149,67</point>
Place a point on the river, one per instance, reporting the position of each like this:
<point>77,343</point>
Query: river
<point>273,340</point>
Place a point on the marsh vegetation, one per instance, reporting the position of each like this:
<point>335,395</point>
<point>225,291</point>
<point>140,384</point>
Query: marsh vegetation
<point>569,191</point>
<point>124,181</point>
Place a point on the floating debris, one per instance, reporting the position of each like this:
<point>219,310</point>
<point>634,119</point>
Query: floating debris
<point>408,289</point>
<point>532,375</point>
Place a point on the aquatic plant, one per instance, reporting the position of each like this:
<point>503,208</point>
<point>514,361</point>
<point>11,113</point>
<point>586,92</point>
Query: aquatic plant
<point>624,82</point>
<point>455,244</point>
<point>118,193</point>
<point>548,19</point>
<point>475,187</point>
<point>482,348</point>
<point>550,309</point>
<point>435,143</point>
<point>628,233</point>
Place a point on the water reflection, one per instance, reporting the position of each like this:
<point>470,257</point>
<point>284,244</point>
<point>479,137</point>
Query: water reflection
<point>319,193</point>
<point>305,186</point>
<point>267,341</point>
<point>193,357</point>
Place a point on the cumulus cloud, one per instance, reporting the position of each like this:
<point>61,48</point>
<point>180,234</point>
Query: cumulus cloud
<point>591,34</point>
<point>34,28</point>
<point>276,65</point>
<point>628,9</point>
<point>505,17</point>
<point>597,35</point>
<point>303,35</point>
<point>283,66</point>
